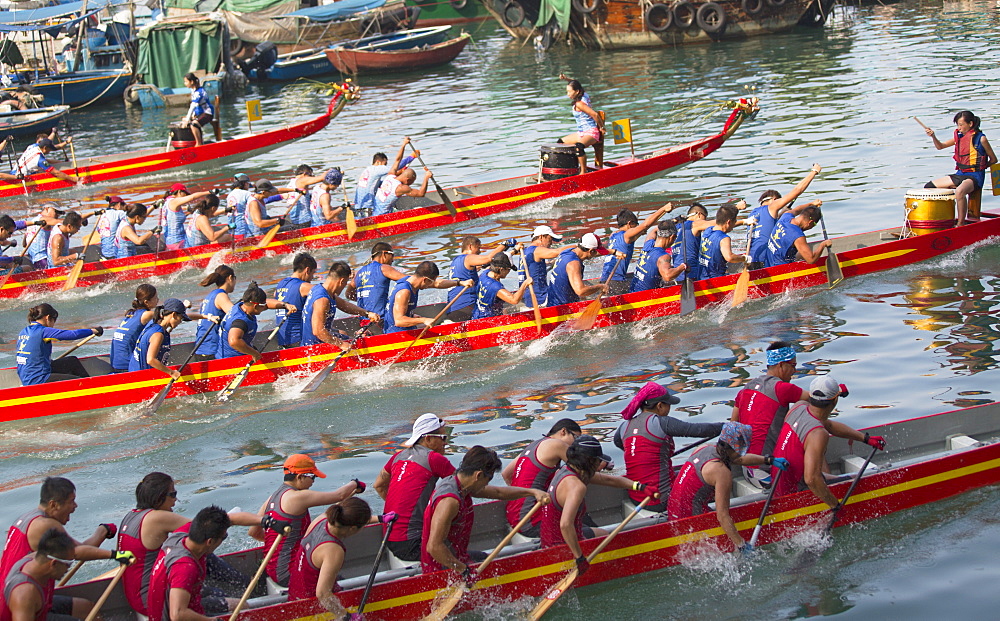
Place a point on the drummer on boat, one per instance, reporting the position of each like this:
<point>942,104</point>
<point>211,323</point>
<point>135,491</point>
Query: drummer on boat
<point>973,157</point>
<point>589,125</point>
<point>200,113</point>
<point>321,306</point>
<point>34,348</point>
<point>373,176</point>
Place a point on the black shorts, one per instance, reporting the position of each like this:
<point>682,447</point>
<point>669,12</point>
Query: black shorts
<point>408,550</point>
<point>61,606</point>
<point>203,120</point>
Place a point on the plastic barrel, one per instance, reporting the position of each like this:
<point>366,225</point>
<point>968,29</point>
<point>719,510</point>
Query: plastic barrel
<point>558,161</point>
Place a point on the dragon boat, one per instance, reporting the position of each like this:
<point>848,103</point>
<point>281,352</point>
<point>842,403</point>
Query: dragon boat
<point>90,170</point>
<point>929,459</point>
<point>413,214</point>
<point>859,254</point>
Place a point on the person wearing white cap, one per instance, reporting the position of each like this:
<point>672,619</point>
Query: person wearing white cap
<point>623,241</point>
<point>407,481</point>
<point>535,256</point>
<point>805,435</point>
<point>566,283</point>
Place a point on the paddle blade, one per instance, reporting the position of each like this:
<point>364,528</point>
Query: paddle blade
<point>268,237</point>
<point>74,275</point>
<point>553,595</point>
<point>741,289</point>
<point>318,379</point>
<point>833,272</point>
<point>352,226</point>
<point>445,199</point>
<point>448,602</point>
<point>588,317</point>
<point>688,303</point>
<point>155,404</point>
<point>233,385</point>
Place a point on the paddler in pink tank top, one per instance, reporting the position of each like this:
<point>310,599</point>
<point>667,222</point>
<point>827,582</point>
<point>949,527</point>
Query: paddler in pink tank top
<point>805,435</point>
<point>289,505</point>
<point>535,467</point>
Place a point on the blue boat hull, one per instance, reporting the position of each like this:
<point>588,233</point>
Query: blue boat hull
<point>73,89</point>
<point>30,122</point>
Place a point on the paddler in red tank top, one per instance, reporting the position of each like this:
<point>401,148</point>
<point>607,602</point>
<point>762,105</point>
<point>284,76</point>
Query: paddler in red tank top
<point>535,467</point>
<point>647,437</point>
<point>57,502</point>
<point>26,592</point>
<point>805,435</point>
<point>289,506</point>
<point>562,519</point>
<point>973,157</point>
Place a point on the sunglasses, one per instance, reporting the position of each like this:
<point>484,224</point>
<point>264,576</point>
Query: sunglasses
<point>60,560</point>
<point>172,494</point>
<point>309,475</point>
<point>443,436</point>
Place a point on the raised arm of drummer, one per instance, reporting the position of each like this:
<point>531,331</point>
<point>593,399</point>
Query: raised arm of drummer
<point>574,271</point>
<point>937,143</point>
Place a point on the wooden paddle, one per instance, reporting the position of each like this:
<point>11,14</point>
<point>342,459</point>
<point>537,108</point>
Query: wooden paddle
<point>69,574</point>
<point>742,287</point>
<point>428,327</point>
<point>19,257</point>
<point>72,151</point>
<point>268,237</point>
<point>349,223</point>
<point>107,593</point>
<point>767,505</point>
<point>437,186</point>
<point>315,382</point>
<point>534,298</point>
<point>74,273</point>
<point>242,375</point>
<point>75,347</point>
<point>459,590</point>
<point>260,572</point>
<point>550,598</point>
<point>589,315</point>
<point>833,272</point>
<point>378,560</point>
<point>157,401</point>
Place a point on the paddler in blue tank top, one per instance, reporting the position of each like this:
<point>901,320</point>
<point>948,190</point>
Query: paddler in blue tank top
<point>152,350</point>
<point>589,125</point>
<point>685,247</point>
<point>298,198</point>
<point>214,307</point>
<point>372,177</point>
<point>466,267</point>
<point>239,326</point>
<point>566,284</point>
<point>536,256</point>
<point>623,241</point>
<point>716,246</point>
<point>293,290</point>
<point>34,349</point>
<point>322,305</point>
<point>788,238</point>
<point>372,281</point>
<point>653,269</point>
<point>127,333</point>
<point>491,295</point>
<point>973,157</point>
<point>402,303</point>
<point>255,215</point>
<point>772,205</point>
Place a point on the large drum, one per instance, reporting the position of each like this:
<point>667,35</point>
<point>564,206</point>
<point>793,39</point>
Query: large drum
<point>181,137</point>
<point>929,210</point>
<point>558,161</point>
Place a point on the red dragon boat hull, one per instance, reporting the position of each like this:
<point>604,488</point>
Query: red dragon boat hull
<point>864,253</point>
<point>486,199</point>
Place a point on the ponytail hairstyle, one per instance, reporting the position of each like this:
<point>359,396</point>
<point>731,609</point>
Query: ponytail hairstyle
<point>969,118</point>
<point>351,512</point>
<point>254,294</point>
<point>42,311</point>
<point>136,210</point>
<point>205,206</point>
<point>725,453</point>
<point>303,169</point>
<point>194,79</point>
<point>143,294</point>
<point>578,88</point>
<point>218,277</point>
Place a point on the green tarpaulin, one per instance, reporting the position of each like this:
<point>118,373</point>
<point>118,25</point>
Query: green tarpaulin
<point>168,51</point>
<point>559,8</point>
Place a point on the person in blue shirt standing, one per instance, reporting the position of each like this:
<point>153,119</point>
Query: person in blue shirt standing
<point>373,176</point>
<point>201,112</point>
<point>715,251</point>
<point>566,284</point>
<point>772,205</point>
<point>152,350</point>
<point>371,283</point>
<point>491,294</point>
<point>293,290</point>
<point>653,269</point>
<point>623,241</point>
<point>34,348</point>
<point>127,333</point>
<point>788,238</point>
<point>321,307</point>
<point>466,267</point>
<point>399,312</point>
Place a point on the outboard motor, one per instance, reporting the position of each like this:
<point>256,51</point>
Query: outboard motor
<point>264,57</point>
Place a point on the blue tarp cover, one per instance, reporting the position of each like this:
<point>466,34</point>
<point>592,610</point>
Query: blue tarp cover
<point>337,10</point>
<point>35,19</point>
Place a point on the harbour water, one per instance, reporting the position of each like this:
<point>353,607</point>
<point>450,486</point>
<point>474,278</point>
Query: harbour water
<point>910,342</point>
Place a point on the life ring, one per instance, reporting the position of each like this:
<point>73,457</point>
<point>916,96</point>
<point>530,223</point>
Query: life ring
<point>711,18</point>
<point>777,3</point>
<point>752,7</point>
<point>513,14</point>
<point>458,5</point>
<point>684,14</point>
<point>583,7</point>
<point>659,17</point>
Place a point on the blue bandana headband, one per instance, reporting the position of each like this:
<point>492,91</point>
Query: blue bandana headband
<point>777,356</point>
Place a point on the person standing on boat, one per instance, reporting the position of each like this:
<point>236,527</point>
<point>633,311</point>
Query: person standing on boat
<point>623,241</point>
<point>214,307</point>
<point>27,593</point>
<point>589,125</point>
<point>152,348</point>
<point>466,267</point>
<point>198,229</point>
<point>491,294</point>
<point>107,224</point>
<point>298,196</point>
<point>321,210</point>
<point>566,284</point>
<point>535,467</point>
<point>771,206</point>
<point>536,256</point>
<point>126,335</point>
<point>399,313</point>
<point>373,176</point>
<point>804,438</point>
<point>127,239</point>
<point>407,480</point>
<point>321,307</point>
<point>449,519</point>
<point>239,326</point>
<point>653,268</point>
<point>255,215</point>
<point>174,213</point>
<point>707,476</point>
<point>973,157</point>
<point>200,113</point>
<point>58,247</point>
<point>562,520</point>
<point>788,238</point>
<point>647,437</point>
<point>715,252</point>
<point>370,285</point>
<point>763,403</point>
<point>34,348</point>
<point>289,506</point>
<point>393,187</point>
<point>56,503</point>
<point>292,290</point>
<point>33,161</point>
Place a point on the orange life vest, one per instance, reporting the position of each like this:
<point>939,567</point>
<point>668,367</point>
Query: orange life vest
<point>970,155</point>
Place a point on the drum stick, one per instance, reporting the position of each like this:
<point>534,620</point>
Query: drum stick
<point>919,123</point>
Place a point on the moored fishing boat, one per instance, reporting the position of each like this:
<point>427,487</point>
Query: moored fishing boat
<point>929,459</point>
<point>30,122</point>
<point>354,61</point>
<point>860,254</point>
<point>413,214</point>
<point>211,154</point>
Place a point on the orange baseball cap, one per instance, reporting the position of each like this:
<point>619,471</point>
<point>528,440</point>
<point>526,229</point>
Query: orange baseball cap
<point>302,464</point>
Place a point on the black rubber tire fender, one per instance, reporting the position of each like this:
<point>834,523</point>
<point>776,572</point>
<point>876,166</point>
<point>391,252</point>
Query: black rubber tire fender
<point>458,5</point>
<point>711,18</point>
<point>684,14</point>
<point>777,3</point>
<point>583,7</point>
<point>659,17</point>
<point>512,14</point>
<point>752,7</point>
